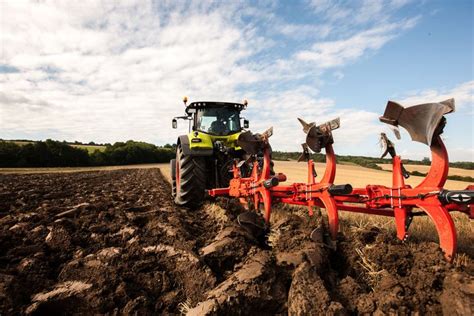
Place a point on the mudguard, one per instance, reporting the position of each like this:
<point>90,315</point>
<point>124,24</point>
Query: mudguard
<point>183,140</point>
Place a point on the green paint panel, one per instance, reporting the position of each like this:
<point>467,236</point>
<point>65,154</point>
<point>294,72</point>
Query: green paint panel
<point>207,140</point>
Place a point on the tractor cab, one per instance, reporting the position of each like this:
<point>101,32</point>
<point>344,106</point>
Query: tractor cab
<point>204,157</point>
<point>214,118</point>
<point>219,121</point>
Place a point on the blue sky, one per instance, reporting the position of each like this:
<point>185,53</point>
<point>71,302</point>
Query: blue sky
<point>108,71</point>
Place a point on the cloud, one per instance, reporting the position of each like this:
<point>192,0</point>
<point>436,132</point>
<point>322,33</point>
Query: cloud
<point>462,93</point>
<point>281,111</point>
<point>18,100</point>
<point>459,148</point>
<point>304,31</point>
<point>105,71</point>
<point>357,12</point>
<point>115,71</point>
<point>340,52</point>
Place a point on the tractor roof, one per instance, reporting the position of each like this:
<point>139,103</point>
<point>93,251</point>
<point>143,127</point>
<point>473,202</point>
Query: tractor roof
<point>214,104</point>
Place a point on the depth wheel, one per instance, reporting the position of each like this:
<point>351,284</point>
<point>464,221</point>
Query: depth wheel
<point>190,179</point>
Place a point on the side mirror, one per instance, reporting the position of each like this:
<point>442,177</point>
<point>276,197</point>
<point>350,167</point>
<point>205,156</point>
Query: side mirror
<point>246,123</point>
<point>174,123</point>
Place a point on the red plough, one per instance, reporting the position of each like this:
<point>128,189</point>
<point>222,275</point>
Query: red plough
<point>424,122</point>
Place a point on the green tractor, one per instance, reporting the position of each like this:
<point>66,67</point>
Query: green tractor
<point>205,156</point>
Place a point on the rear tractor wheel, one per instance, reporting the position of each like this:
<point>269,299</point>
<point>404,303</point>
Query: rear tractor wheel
<point>190,179</point>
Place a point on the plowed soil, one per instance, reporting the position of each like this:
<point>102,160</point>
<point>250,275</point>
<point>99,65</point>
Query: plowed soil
<point>112,242</point>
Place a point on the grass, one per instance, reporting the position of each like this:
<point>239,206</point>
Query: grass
<point>373,272</point>
<point>184,307</point>
<point>421,229</point>
<point>90,148</point>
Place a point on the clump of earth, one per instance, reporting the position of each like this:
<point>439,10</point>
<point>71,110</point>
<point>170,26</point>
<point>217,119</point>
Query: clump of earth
<point>113,242</point>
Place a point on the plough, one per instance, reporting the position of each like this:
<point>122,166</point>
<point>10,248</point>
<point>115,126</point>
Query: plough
<point>424,122</point>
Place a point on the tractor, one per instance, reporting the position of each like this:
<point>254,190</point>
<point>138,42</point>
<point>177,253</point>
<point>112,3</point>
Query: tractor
<point>206,155</point>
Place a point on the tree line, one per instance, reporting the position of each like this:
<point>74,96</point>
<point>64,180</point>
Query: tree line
<point>52,153</point>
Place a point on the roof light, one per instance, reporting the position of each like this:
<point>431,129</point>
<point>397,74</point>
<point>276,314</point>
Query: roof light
<point>185,100</point>
<point>245,102</point>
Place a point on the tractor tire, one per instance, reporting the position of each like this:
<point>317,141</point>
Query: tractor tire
<point>190,180</point>
<point>173,177</point>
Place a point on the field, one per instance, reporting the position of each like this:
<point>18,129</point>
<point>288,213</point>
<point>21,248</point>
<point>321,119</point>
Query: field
<point>81,169</point>
<point>90,148</point>
<point>112,241</point>
<point>356,175</point>
<point>296,172</point>
<point>425,169</point>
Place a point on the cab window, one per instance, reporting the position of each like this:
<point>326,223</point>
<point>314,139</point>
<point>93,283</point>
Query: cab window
<point>218,121</point>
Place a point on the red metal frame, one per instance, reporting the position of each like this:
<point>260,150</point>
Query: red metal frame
<point>397,201</point>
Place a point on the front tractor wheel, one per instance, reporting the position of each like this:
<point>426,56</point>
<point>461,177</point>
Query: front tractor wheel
<point>190,179</point>
<point>173,177</point>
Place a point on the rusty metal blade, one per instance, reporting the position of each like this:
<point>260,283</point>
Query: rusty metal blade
<point>268,133</point>
<point>419,120</point>
<point>306,126</point>
<point>254,143</point>
<point>250,143</point>
<point>321,135</point>
<point>305,154</point>
<point>313,139</point>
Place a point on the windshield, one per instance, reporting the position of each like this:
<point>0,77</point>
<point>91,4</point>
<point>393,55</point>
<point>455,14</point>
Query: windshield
<point>218,121</point>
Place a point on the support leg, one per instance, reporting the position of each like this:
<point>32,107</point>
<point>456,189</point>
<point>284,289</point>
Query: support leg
<point>331,209</point>
<point>400,221</point>
<point>445,227</point>
<point>267,204</point>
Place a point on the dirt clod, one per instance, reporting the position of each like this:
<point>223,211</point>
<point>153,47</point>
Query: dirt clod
<point>113,242</point>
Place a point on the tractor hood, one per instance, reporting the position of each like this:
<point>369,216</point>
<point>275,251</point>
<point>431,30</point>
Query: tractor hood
<point>200,140</point>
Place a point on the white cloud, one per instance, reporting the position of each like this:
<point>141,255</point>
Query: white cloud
<point>304,31</point>
<point>281,111</point>
<point>459,148</point>
<point>104,71</point>
<point>114,72</point>
<point>463,95</point>
<point>357,12</point>
<point>340,52</point>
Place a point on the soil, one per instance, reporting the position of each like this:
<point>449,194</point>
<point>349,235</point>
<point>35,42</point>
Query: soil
<point>112,242</point>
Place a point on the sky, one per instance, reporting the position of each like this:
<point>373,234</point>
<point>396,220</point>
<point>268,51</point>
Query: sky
<point>108,71</point>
